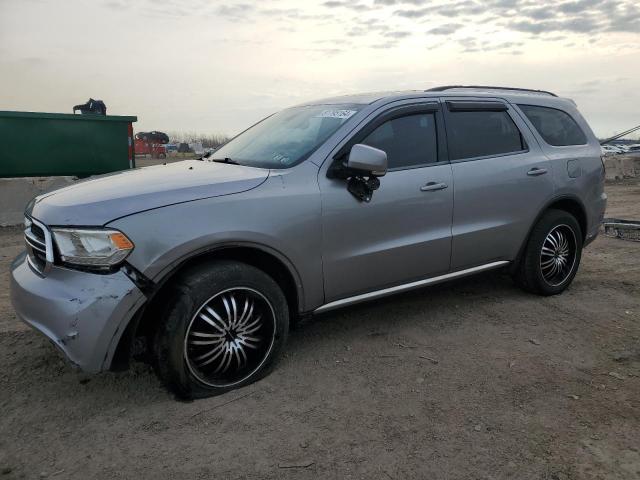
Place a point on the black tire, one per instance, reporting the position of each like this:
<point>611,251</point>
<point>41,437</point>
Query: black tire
<point>227,288</point>
<point>535,272</point>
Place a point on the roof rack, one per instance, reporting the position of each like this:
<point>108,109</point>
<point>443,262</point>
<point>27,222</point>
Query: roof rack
<point>488,87</point>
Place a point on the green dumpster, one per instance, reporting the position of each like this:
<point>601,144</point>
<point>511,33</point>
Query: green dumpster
<point>36,144</point>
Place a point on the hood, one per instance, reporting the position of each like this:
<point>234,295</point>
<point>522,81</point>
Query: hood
<point>100,200</point>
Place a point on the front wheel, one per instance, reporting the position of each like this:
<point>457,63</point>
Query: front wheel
<point>225,324</point>
<point>552,255</point>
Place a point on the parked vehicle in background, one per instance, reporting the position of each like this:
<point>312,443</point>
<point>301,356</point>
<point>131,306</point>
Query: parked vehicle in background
<point>316,207</point>
<point>611,150</point>
<point>197,148</point>
<point>151,143</point>
<point>634,148</point>
<point>152,149</point>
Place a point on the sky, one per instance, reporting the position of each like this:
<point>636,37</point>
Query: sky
<point>216,67</point>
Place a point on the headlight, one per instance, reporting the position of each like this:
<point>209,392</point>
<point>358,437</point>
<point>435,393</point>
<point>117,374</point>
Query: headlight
<point>92,248</point>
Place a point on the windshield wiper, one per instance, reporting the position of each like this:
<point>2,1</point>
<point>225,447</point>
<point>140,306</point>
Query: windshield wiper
<point>225,160</point>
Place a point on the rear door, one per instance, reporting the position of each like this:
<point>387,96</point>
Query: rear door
<point>501,177</point>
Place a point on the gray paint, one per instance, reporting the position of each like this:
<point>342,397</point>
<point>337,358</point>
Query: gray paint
<point>102,199</point>
<point>84,315</point>
<point>279,217</point>
<point>368,159</point>
<point>338,250</point>
<point>497,202</point>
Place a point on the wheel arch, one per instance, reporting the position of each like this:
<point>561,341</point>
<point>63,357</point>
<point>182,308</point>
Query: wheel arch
<point>272,262</point>
<point>572,205</point>
<point>568,203</point>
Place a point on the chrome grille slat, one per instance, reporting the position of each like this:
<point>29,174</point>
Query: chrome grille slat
<point>37,265</point>
<point>37,232</point>
<point>39,247</point>
<point>35,244</point>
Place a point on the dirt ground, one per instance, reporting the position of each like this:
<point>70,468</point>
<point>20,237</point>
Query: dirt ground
<point>468,380</point>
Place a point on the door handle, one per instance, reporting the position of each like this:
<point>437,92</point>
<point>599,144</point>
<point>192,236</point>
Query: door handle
<point>534,172</point>
<point>433,186</point>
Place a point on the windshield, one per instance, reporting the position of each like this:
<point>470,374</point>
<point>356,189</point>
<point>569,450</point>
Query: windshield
<point>285,138</point>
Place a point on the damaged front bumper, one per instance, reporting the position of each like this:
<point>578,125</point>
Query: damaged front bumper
<point>83,314</point>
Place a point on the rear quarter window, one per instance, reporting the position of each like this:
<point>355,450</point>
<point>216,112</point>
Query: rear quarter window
<point>555,126</point>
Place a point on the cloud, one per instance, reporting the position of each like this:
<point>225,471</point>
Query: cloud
<point>541,13</point>
<point>321,51</point>
<point>578,6</point>
<point>384,45</point>
<point>334,4</point>
<point>507,45</point>
<point>235,11</point>
<point>400,2</point>
<point>373,24</point>
<point>574,25</point>
<point>413,13</point>
<point>397,34</point>
<point>116,4</point>
<point>293,14</point>
<point>346,4</point>
<point>446,29</point>
<point>530,16</point>
<point>395,20</point>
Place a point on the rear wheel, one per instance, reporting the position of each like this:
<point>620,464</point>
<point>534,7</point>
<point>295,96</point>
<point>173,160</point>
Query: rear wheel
<point>552,255</point>
<point>225,325</point>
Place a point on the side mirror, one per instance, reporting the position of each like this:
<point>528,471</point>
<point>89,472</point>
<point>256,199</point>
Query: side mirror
<point>369,160</point>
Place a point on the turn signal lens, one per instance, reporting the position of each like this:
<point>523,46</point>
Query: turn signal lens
<point>120,241</point>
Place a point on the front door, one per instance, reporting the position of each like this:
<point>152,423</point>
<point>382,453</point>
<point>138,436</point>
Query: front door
<point>404,233</point>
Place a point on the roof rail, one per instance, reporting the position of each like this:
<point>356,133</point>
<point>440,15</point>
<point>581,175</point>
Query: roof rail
<point>488,87</point>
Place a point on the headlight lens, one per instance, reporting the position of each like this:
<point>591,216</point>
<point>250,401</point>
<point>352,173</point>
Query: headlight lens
<point>92,248</point>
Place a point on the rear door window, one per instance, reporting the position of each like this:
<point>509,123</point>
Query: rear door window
<point>556,127</point>
<point>408,141</point>
<point>476,133</point>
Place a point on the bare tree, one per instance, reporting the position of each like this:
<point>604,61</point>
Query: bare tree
<point>209,140</point>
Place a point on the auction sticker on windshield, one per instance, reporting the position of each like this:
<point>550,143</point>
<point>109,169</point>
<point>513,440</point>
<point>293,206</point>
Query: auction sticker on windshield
<point>344,114</point>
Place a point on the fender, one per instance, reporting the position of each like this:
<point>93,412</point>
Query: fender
<point>167,272</point>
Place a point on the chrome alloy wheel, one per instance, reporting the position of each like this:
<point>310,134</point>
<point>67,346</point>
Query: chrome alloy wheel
<point>230,337</point>
<point>558,255</point>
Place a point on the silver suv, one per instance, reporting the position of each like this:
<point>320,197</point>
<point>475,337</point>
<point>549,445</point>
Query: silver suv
<point>201,266</point>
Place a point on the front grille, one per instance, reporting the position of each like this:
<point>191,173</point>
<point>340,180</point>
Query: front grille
<point>39,247</point>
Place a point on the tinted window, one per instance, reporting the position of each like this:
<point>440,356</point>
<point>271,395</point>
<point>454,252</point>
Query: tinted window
<point>408,141</point>
<point>555,126</point>
<point>480,134</point>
